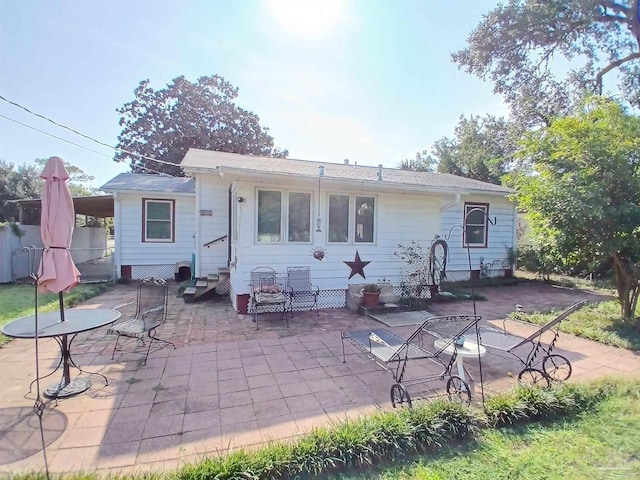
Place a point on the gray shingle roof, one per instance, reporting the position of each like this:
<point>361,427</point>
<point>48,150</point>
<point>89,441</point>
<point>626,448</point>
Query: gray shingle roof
<point>138,182</point>
<point>197,159</point>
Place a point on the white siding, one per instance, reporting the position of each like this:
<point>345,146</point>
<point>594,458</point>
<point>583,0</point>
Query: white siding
<point>401,218</point>
<point>131,250</point>
<point>212,194</point>
<point>500,235</point>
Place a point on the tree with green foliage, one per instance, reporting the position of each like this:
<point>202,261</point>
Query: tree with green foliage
<point>583,197</point>
<point>16,183</point>
<point>520,43</point>
<point>78,179</point>
<point>163,124</point>
<point>23,182</point>
<point>482,149</point>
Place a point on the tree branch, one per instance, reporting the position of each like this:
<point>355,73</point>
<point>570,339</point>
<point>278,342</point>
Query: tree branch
<point>611,66</point>
<point>616,7</point>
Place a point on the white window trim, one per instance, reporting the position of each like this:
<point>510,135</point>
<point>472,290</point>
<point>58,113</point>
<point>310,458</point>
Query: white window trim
<point>351,240</point>
<point>470,206</point>
<point>172,205</point>
<point>284,215</point>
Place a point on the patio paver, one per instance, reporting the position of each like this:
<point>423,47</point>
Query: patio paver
<point>229,386</point>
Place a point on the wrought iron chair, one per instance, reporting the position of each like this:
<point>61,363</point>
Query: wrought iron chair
<point>300,288</point>
<point>150,313</point>
<point>268,293</point>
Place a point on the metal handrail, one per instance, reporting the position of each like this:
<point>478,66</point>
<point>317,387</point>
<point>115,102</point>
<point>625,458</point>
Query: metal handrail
<point>208,244</point>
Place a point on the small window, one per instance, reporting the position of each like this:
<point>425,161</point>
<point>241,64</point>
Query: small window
<point>351,219</point>
<point>339,218</point>
<point>476,216</point>
<point>365,210</point>
<point>157,224</point>
<point>299,225</point>
<point>269,216</point>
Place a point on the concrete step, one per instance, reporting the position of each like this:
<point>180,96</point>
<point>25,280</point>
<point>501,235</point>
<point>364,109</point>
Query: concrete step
<point>205,284</point>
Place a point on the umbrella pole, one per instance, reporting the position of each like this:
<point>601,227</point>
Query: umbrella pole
<point>66,374</point>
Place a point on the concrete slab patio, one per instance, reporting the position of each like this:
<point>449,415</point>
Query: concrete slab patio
<point>227,385</point>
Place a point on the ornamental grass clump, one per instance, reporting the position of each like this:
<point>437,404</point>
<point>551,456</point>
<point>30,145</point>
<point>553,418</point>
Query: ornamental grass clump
<point>528,403</point>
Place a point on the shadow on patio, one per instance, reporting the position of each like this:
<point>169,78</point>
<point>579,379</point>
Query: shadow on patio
<point>228,385</point>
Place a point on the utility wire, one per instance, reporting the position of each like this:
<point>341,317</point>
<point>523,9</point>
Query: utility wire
<point>75,144</point>
<point>54,136</point>
<point>87,136</point>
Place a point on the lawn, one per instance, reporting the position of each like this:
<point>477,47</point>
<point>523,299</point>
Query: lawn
<point>18,300</point>
<point>598,444</point>
<point>600,322</point>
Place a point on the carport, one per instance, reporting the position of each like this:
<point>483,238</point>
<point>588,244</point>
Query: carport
<point>91,249</point>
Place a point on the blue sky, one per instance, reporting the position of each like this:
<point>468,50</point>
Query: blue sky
<point>367,80</point>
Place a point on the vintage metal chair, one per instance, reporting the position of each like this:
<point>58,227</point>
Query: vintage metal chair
<point>150,313</point>
<point>300,288</point>
<point>268,293</point>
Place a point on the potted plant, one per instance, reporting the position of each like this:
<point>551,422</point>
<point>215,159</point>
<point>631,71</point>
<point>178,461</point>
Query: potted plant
<point>371,295</point>
<point>509,263</point>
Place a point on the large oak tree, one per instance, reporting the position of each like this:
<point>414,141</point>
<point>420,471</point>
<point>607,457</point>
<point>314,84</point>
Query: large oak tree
<point>584,197</point>
<point>482,148</point>
<point>163,124</point>
<point>521,44</point>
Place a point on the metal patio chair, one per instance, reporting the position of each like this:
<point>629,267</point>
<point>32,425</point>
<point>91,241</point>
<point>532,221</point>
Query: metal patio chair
<point>268,293</point>
<point>532,351</point>
<point>300,288</point>
<point>150,314</point>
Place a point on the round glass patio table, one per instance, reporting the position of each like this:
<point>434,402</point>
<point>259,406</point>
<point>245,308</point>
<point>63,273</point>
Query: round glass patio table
<point>77,320</point>
<point>468,350</point>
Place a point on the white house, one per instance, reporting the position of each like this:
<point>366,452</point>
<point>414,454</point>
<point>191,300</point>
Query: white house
<point>241,212</point>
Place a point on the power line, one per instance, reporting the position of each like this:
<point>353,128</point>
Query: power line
<point>73,143</point>
<point>87,136</point>
<point>54,136</point>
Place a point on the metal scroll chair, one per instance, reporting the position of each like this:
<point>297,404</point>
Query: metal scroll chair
<point>532,351</point>
<point>268,293</point>
<point>150,313</point>
<point>300,288</point>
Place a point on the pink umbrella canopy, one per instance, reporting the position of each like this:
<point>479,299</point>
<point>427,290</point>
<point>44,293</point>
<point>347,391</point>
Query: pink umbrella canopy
<point>57,271</point>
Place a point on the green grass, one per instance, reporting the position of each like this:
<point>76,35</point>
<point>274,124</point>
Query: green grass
<point>18,300</point>
<point>600,322</point>
<point>586,430</point>
<point>600,443</point>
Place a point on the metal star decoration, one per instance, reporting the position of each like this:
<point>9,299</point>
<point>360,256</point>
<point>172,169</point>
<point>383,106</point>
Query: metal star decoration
<point>357,266</point>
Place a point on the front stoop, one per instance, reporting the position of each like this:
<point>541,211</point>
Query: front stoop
<point>205,285</point>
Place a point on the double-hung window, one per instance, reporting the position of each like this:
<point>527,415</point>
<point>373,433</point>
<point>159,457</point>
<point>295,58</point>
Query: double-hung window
<point>283,211</point>
<point>476,217</point>
<point>351,219</point>
<point>158,220</point>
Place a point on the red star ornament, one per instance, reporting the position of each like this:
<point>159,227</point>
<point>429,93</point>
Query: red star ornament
<point>357,266</point>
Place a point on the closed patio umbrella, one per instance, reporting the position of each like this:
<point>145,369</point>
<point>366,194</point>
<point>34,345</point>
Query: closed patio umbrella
<point>57,272</point>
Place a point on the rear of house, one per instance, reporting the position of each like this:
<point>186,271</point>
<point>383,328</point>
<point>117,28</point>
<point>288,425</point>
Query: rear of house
<point>254,211</point>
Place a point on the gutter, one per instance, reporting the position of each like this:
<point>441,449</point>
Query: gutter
<point>374,184</point>
<point>450,203</point>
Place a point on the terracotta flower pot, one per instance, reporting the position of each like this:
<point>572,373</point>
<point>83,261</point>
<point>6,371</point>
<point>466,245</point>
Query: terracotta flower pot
<point>370,300</point>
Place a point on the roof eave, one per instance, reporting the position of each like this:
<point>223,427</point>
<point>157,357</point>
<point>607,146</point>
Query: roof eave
<point>252,173</point>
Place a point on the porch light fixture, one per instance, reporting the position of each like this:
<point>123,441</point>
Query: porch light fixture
<point>320,175</point>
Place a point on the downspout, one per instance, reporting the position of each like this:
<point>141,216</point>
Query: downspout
<point>117,220</point>
<point>197,249</point>
<point>451,203</point>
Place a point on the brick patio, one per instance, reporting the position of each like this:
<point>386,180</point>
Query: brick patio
<point>228,386</point>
